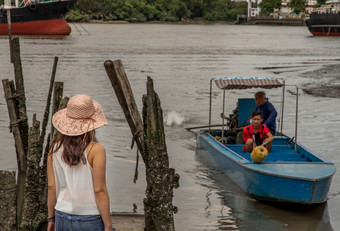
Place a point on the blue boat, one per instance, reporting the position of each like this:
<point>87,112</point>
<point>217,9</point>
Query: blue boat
<point>291,173</point>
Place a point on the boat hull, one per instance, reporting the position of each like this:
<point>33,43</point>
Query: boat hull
<point>269,185</point>
<point>45,18</point>
<point>324,24</point>
<point>47,27</point>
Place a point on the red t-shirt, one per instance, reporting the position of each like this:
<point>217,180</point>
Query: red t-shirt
<point>249,130</point>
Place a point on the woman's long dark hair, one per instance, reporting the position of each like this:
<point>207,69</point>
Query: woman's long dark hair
<point>74,147</point>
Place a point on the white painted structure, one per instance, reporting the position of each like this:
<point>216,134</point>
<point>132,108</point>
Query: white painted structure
<point>253,12</point>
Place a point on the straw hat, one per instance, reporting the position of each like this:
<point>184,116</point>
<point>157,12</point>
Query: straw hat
<point>81,115</point>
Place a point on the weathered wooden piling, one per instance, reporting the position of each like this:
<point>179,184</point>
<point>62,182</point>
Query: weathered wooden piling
<point>120,83</point>
<point>150,139</point>
<point>57,97</point>
<point>161,180</point>
<point>20,91</point>
<point>8,200</point>
<point>48,102</point>
<point>30,191</point>
<point>19,146</point>
<point>43,168</point>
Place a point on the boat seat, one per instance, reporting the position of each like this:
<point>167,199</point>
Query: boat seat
<point>278,153</point>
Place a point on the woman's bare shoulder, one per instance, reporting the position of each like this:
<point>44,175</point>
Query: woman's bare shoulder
<point>97,148</point>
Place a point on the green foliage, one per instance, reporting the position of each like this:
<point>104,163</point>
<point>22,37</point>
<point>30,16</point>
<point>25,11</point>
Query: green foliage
<point>268,6</point>
<point>76,16</point>
<point>320,2</point>
<point>297,6</point>
<point>160,10</point>
<point>214,10</point>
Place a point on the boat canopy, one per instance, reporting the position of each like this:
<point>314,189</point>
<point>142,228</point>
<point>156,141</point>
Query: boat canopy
<point>247,82</point>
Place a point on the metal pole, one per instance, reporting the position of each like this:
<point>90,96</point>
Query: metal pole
<point>222,135</point>
<point>210,105</point>
<point>296,115</point>
<point>283,103</point>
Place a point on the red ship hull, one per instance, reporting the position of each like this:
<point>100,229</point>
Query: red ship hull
<point>37,18</point>
<point>47,27</point>
<point>325,34</point>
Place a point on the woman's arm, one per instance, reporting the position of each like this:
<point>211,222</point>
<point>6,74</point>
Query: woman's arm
<point>52,200</point>
<point>98,159</point>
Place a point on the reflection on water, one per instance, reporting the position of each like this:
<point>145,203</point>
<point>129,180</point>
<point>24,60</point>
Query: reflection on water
<point>182,59</point>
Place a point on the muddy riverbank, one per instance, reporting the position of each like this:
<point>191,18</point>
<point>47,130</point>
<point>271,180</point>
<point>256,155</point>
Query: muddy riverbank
<point>324,82</point>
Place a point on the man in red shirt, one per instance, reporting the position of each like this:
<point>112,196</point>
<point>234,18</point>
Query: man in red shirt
<point>257,134</point>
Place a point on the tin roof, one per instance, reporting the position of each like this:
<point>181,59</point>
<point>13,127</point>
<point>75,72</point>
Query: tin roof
<point>247,82</point>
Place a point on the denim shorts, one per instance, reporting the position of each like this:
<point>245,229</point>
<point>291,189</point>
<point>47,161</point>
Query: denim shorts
<point>67,222</point>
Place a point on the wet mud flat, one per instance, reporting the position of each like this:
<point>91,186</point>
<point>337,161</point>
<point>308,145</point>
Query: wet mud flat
<point>324,82</point>
<point>128,221</point>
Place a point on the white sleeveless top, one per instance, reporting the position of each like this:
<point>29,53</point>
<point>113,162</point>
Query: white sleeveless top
<point>74,187</point>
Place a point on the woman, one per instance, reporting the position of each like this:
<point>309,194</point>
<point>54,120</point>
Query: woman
<point>77,194</point>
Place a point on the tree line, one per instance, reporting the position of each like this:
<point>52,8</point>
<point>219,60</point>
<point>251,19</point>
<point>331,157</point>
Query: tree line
<point>171,10</point>
<point>156,10</point>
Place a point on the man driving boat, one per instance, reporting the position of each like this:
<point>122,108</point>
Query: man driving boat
<point>269,112</point>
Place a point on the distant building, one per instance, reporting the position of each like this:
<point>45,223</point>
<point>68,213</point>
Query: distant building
<point>285,11</point>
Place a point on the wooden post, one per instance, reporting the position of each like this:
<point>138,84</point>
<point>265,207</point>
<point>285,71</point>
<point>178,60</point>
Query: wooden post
<point>43,170</point>
<point>57,96</point>
<point>161,180</point>
<point>7,200</point>
<point>32,190</point>
<point>48,102</point>
<point>20,91</point>
<point>20,151</point>
<point>10,34</point>
<point>43,180</point>
<point>120,83</point>
<point>150,140</point>
<point>8,6</point>
<point>31,198</point>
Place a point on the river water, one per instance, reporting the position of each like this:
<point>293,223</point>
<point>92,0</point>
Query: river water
<point>182,59</point>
